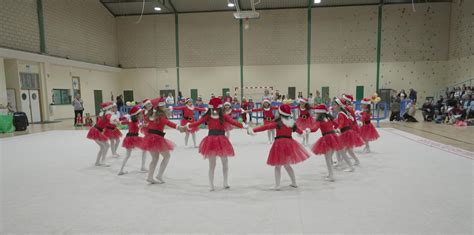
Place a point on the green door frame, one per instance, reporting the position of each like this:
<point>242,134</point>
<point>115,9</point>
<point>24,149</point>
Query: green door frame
<point>194,94</point>
<point>98,99</point>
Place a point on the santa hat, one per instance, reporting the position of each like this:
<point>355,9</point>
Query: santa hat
<point>303,100</point>
<point>134,110</point>
<point>158,102</point>
<point>366,101</point>
<point>227,104</point>
<point>321,109</point>
<point>146,101</point>
<point>347,98</point>
<point>188,100</point>
<point>266,101</point>
<point>285,110</point>
<point>215,103</point>
<point>106,105</point>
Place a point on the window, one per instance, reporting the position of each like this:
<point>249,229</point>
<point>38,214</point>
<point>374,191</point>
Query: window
<point>29,81</point>
<point>61,96</point>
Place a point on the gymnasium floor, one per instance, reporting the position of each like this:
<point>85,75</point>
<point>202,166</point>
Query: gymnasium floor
<point>409,184</point>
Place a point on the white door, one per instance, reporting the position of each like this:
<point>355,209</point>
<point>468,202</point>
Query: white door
<point>25,103</point>
<point>35,106</point>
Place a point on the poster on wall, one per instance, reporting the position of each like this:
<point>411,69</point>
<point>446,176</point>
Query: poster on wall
<point>76,86</point>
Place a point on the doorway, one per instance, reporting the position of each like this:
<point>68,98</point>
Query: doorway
<point>359,92</point>
<point>325,94</point>
<point>224,91</point>
<point>128,95</point>
<point>194,94</point>
<point>164,93</point>
<point>30,104</point>
<point>292,92</point>
<point>97,101</point>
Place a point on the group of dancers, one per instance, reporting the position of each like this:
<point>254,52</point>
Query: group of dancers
<point>340,134</point>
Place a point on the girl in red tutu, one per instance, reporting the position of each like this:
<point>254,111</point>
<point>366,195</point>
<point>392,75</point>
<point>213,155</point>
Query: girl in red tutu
<point>132,140</point>
<point>348,100</point>
<point>348,138</point>
<point>155,142</point>
<point>268,117</point>
<point>367,131</point>
<point>111,130</point>
<point>188,117</point>
<point>216,144</point>
<point>329,142</point>
<point>304,118</point>
<point>285,150</point>
<point>96,133</point>
<point>229,111</point>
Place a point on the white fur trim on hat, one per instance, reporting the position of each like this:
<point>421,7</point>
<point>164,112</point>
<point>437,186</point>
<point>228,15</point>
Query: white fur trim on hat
<point>283,113</point>
<point>320,111</point>
<point>365,102</point>
<point>339,102</point>
<point>137,112</point>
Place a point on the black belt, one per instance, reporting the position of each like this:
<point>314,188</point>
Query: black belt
<point>189,118</point>
<point>344,129</point>
<point>283,137</point>
<point>304,116</point>
<point>329,132</point>
<point>132,134</point>
<point>98,128</point>
<point>216,132</point>
<point>268,119</point>
<point>367,122</point>
<point>110,128</point>
<point>156,132</point>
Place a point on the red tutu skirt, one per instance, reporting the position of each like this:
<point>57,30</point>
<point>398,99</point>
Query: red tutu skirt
<point>113,134</point>
<point>350,139</point>
<point>191,130</point>
<point>326,144</point>
<point>286,151</point>
<point>95,134</point>
<point>368,132</point>
<point>304,123</point>
<point>131,142</point>
<point>216,146</point>
<point>356,128</point>
<point>157,143</point>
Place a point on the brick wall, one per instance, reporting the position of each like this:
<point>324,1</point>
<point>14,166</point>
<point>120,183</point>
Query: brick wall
<point>19,25</point>
<point>81,29</point>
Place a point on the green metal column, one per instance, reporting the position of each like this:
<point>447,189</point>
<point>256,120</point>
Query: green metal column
<point>241,59</point>
<point>308,53</point>
<point>39,8</point>
<point>176,30</point>
<point>379,45</point>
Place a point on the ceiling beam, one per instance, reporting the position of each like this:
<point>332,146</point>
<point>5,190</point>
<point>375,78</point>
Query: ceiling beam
<point>172,6</point>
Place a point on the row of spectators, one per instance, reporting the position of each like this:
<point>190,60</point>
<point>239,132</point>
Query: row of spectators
<point>454,107</point>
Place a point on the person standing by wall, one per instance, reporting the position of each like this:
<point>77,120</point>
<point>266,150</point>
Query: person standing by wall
<point>413,96</point>
<point>78,107</point>
<point>119,102</point>
<point>318,100</point>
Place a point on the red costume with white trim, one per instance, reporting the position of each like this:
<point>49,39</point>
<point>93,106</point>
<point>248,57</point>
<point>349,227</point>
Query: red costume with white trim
<point>154,140</point>
<point>348,138</point>
<point>111,130</point>
<point>285,150</point>
<point>97,132</point>
<point>188,115</point>
<point>216,144</point>
<point>367,131</point>
<point>268,115</point>
<point>132,139</point>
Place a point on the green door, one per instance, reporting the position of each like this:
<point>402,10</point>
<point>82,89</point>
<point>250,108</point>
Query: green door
<point>127,95</point>
<point>359,92</point>
<point>194,94</point>
<point>97,101</point>
<point>325,94</point>
<point>291,93</point>
<point>225,90</point>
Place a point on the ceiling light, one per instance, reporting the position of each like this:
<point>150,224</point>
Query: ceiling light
<point>230,4</point>
<point>317,1</point>
<point>157,8</point>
